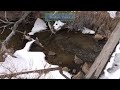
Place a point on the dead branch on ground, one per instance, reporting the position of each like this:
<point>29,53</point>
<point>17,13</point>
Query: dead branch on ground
<point>34,71</point>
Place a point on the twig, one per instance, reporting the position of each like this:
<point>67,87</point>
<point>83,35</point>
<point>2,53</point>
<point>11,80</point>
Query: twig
<point>5,42</point>
<point>33,71</point>
<point>29,38</point>
<point>3,30</point>
<point>5,27</point>
<point>6,22</point>
<point>38,42</point>
<point>51,28</point>
<point>15,27</point>
<point>6,16</point>
<point>55,12</point>
<point>16,30</point>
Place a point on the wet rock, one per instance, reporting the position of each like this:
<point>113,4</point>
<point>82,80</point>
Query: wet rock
<point>60,62</point>
<point>77,60</point>
<point>74,71</point>
<point>79,75</point>
<point>51,53</point>
<point>98,37</point>
<point>65,69</point>
<point>86,67</point>
<point>10,50</point>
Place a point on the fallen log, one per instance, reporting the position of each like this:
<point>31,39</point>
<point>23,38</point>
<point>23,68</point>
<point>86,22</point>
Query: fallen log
<point>104,55</point>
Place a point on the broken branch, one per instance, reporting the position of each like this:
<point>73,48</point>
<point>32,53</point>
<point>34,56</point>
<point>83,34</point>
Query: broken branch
<point>15,27</point>
<point>33,71</point>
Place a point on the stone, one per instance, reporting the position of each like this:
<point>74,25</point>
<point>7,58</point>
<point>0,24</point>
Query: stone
<point>74,71</point>
<point>65,69</point>
<point>98,37</point>
<point>60,62</point>
<point>51,53</point>
<point>79,75</point>
<point>77,60</point>
<point>86,67</point>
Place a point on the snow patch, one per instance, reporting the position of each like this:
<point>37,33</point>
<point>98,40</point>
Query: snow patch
<point>39,25</point>
<point>112,70</point>
<point>87,31</point>
<point>112,14</point>
<point>58,25</point>
<point>24,60</point>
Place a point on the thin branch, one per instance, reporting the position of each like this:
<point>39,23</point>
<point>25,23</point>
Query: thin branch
<point>6,16</point>
<point>5,42</point>
<point>33,71</point>
<point>6,22</point>
<point>29,38</point>
<point>4,27</point>
<point>36,41</point>
<point>15,27</point>
<point>51,28</point>
<point>16,30</point>
<point>3,30</point>
<point>55,12</point>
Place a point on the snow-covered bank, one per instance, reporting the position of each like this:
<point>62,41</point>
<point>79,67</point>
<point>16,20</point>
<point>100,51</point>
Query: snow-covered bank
<point>112,14</point>
<point>24,60</point>
<point>112,70</point>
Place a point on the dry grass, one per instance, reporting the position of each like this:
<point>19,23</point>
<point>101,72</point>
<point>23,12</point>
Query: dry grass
<point>100,21</point>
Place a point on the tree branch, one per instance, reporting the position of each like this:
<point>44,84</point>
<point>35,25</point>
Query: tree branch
<point>33,71</point>
<point>15,27</point>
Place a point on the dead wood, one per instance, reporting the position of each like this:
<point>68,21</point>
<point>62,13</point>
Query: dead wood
<point>34,71</point>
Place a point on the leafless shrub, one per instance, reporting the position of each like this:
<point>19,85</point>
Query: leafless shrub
<point>99,21</point>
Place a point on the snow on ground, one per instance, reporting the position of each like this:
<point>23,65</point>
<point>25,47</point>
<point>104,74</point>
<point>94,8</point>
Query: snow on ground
<point>112,70</point>
<point>59,24</point>
<point>112,14</point>
<point>24,60</point>
<point>39,25</point>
